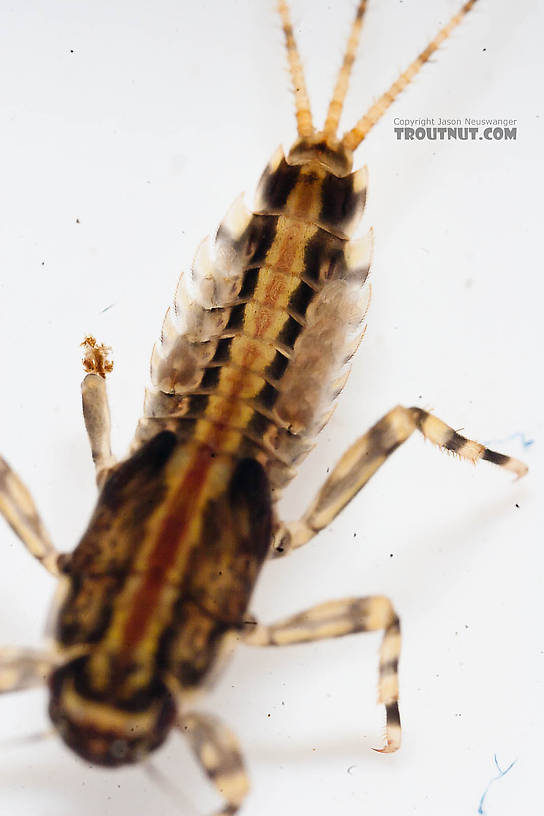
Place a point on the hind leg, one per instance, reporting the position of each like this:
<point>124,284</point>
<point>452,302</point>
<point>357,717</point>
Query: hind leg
<point>346,617</point>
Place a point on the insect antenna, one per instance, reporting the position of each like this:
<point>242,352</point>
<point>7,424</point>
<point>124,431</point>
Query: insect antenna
<point>353,138</point>
<point>305,126</point>
<point>337,102</point>
<point>27,739</point>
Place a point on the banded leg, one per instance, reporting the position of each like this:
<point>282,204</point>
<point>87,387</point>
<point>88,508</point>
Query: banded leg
<point>96,412</point>
<point>24,668</point>
<point>336,619</point>
<point>218,752</point>
<point>361,461</point>
<point>18,508</point>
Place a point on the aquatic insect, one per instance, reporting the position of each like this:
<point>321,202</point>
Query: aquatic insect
<point>251,358</point>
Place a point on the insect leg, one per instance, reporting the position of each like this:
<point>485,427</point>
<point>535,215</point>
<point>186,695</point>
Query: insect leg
<point>18,508</point>
<point>96,412</point>
<point>366,455</point>
<point>345,617</point>
<point>24,668</point>
<point>217,750</point>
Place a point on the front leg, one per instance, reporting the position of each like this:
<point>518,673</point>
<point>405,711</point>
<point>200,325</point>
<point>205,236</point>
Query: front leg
<point>336,619</point>
<point>96,411</point>
<point>361,461</point>
<point>18,508</point>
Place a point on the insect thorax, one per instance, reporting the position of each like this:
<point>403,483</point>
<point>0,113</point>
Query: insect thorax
<point>158,584</point>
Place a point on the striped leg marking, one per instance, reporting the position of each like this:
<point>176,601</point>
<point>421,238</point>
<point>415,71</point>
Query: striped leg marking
<point>24,668</point>
<point>367,455</point>
<point>218,752</point>
<point>96,411</point>
<point>336,619</point>
<point>18,508</point>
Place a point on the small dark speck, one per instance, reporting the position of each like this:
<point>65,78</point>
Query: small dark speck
<point>78,221</point>
<point>420,396</point>
<point>466,625</point>
<point>328,469</point>
<point>220,572</point>
<point>268,715</point>
<point>517,505</point>
<point>351,767</point>
<point>354,535</point>
<point>72,50</point>
<point>390,555</point>
<point>43,263</point>
<point>107,308</point>
<point>484,49</point>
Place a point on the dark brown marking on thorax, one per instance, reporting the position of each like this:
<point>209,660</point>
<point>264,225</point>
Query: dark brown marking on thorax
<point>218,520</point>
<point>102,560</point>
<point>220,574</point>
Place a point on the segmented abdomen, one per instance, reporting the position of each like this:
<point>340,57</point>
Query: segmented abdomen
<point>258,342</point>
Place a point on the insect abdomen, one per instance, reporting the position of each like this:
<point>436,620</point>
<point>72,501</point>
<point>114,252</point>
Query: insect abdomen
<point>256,347</point>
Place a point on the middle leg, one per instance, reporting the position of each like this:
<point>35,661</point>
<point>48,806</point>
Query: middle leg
<point>96,412</point>
<point>345,617</point>
<point>24,668</point>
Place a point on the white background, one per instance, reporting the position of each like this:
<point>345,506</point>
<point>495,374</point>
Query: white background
<point>162,114</point>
